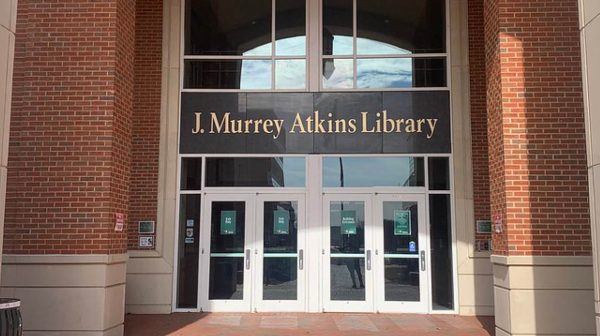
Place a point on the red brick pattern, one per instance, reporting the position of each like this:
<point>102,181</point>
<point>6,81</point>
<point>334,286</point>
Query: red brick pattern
<point>536,127</point>
<point>301,324</point>
<point>477,88</point>
<point>69,141</point>
<point>143,190</point>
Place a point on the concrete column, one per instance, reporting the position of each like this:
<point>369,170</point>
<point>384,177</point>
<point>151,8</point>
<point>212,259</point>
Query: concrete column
<point>8,20</point>
<point>590,35</point>
<point>69,165</point>
<point>538,176</point>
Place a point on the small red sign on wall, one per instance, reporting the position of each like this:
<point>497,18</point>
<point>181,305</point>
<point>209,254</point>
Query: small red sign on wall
<point>497,223</point>
<point>119,221</point>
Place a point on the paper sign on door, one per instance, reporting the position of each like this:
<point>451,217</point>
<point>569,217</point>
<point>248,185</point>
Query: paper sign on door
<point>402,222</point>
<point>228,222</point>
<point>348,222</point>
<point>281,222</point>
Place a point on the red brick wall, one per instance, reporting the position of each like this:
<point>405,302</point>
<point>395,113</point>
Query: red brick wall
<point>537,137</point>
<point>477,89</point>
<point>68,154</point>
<point>144,178</point>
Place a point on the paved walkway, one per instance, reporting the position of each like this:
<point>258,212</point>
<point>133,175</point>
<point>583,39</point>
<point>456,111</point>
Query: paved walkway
<point>295,324</point>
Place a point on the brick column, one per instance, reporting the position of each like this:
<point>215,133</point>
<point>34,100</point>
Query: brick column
<point>538,177</point>
<point>69,165</point>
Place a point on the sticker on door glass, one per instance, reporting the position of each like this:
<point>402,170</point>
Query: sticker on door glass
<point>402,223</point>
<point>348,222</point>
<point>281,222</point>
<point>228,222</point>
<point>412,247</point>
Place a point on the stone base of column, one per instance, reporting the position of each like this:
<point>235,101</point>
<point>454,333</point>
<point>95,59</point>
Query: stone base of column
<point>81,295</point>
<point>543,295</point>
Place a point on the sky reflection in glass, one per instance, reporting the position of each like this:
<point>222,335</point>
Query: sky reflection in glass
<point>256,74</point>
<point>384,73</point>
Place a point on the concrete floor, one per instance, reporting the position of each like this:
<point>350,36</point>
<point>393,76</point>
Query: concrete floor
<point>295,324</point>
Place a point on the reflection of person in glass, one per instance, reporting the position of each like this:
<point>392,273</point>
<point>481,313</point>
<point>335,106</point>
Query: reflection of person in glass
<point>351,244</point>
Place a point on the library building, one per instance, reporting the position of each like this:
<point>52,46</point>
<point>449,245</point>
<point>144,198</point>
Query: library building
<point>360,157</point>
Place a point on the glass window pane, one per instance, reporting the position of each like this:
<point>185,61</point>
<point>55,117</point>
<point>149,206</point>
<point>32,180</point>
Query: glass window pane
<point>338,73</point>
<point>439,174</point>
<point>359,172</point>
<point>347,279</point>
<point>189,236</point>
<point>347,227</point>
<point>290,28</point>
<point>400,239</point>
<point>228,27</point>
<point>429,72</point>
<point>255,172</point>
<point>227,237</point>
<point>400,27</point>
<point>226,281</point>
<point>191,173</point>
<point>280,238</point>
<point>290,74</point>
<point>280,278</point>
<point>400,73</point>
<point>337,27</point>
<point>280,247</point>
<point>401,279</point>
<point>226,278</point>
<point>441,252</point>
<point>228,74</point>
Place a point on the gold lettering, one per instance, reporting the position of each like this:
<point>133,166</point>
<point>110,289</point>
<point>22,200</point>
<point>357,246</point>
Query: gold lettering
<point>410,125</point>
<point>330,124</point>
<point>222,127</point>
<point>197,129</point>
<point>399,123</point>
<point>319,123</point>
<point>352,126</point>
<point>341,129</point>
<point>420,122</point>
<point>247,124</point>
<point>297,123</point>
<point>309,127</point>
<point>236,126</point>
<point>387,121</point>
<point>257,124</point>
<point>278,127</point>
<point>364,123</point>
<point>268,126</point>
<point>431,123</point>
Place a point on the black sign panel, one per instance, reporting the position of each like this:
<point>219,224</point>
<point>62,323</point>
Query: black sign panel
<point>315,123</point>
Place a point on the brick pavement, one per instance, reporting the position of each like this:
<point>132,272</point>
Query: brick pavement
<point>293,324</point>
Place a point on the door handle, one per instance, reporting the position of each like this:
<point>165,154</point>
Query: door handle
<point>422,260</point>
<point>368,260</point>
<point>301,259</point>
<point>247,259</point>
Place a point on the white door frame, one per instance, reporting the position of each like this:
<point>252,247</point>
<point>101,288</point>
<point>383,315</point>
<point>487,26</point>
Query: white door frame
<point>421,306</point>
<point>341,305</point>
<point>245,304</point>
<point>298,305</point>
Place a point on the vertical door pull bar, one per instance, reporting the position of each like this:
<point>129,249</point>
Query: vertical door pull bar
<point>301,259</point>
<point>422,260</point>
<point>247,259</point>
<point>368,260</point>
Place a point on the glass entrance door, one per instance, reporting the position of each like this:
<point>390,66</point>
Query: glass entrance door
<point>374,254</point>
<point>226,253</point>
<point>280,257</point>
<point>347,253</point>
<point>252,254</point>
<point>400,253</point>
